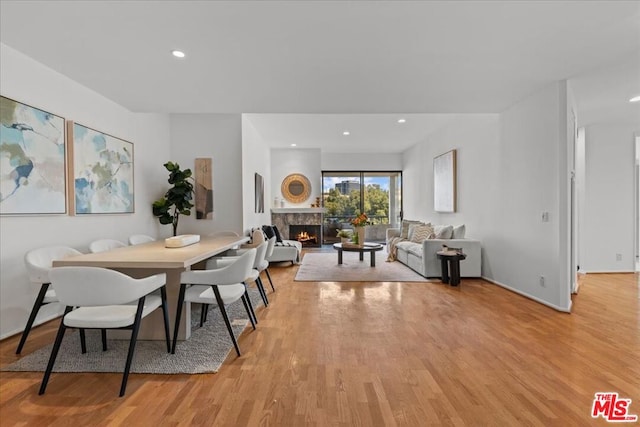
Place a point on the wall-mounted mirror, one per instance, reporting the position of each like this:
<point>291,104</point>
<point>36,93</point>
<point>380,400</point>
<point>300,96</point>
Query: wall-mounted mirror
<point>296,188</point>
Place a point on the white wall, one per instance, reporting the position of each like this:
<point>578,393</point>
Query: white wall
<point>361,162</point>
<point>218,136</point>
<point>28,81</point>
<point>609,198</point>
<point>305,161</point>
<point>533,179</point>
<point>256,158</point>
<point>508,174</point>
<point>476,138</point>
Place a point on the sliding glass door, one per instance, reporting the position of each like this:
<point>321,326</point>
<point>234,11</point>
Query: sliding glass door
<point>348,194</point>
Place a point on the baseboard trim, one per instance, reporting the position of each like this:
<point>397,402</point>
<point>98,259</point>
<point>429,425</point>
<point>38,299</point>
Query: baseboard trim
<point>610,272</point>
<point>526,295</point>
<point>39,322</point>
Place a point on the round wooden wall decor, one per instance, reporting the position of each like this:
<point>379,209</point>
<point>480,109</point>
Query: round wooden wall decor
<point>296,188</point>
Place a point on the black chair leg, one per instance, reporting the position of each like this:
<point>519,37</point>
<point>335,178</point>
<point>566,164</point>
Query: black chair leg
<point>132,345</point>
<point>226,318</point>
<point>203,311</point>
<point>83,341</point>
<point>54,352</point>
<point>246,307</point>
<point>260,286</point>
<point>104,339</point>
<point>32,317</point>
<point>176,328</point>
<point>253,313</point>
<point>165,313</point>
<point>270,281</point>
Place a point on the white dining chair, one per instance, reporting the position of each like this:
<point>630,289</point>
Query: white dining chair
<point>260,265</point>
<point>138,239</point>
<point>104,245</point>
<point>264,265</point>
<point>99,298</point>
<point>220,287</point>
<point>38,263</point>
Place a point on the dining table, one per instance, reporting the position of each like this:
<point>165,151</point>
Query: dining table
<point>152,258</point>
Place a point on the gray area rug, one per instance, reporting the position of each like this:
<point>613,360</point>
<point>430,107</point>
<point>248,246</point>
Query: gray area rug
<point>324,267</point>
<point>204,352</point>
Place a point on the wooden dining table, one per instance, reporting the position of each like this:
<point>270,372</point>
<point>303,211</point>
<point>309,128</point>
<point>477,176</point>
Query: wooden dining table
<point>153,258</point>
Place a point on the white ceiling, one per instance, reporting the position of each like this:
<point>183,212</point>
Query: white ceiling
<point>335,57</point>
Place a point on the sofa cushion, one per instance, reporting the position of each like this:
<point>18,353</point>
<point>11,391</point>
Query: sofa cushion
<point>277,233</point>
<point>404,233</point>
<point>268,231</point>
<point>420,233</point>
<point>443,231</point>
<point>410,247</point>
<point>458,232</point>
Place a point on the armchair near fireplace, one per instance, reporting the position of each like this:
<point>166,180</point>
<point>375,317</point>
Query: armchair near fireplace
<point>286,250</point>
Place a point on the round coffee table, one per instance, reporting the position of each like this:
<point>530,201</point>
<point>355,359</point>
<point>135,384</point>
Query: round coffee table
<point>372,248</point>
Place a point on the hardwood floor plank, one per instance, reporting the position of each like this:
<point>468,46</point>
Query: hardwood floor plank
<point>368,354</point>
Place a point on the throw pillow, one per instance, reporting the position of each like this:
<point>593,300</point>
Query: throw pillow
<point>458,232</point>
<point>443,231</point>
<point>404,233</point>
<point>268,231</point>
<point>278,235</point>
<point>422,233</point>
<point>257,236</point>
<point>412,229</point>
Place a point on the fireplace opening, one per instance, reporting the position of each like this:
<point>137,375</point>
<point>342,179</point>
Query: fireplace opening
<point>309,235</point>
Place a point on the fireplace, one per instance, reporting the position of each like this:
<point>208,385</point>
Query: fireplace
<point>309,235</point>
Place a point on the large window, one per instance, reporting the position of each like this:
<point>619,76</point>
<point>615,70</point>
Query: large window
<point>350,193</point>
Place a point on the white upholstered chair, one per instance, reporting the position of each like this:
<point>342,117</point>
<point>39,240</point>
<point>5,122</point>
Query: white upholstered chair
<point>38,263</point>
<point>104,245</point>
<point>261,252</point>
<point>264,265</point>
<point>99,298</point>
<point>138,239</point>
<point>219,287</point>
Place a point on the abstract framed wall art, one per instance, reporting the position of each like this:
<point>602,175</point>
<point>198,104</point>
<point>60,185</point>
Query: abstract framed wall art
<point>444,182</point>
<point>102,172</point>
<point>259,184</point>
<point>32,160</point>
<point>204,189</point>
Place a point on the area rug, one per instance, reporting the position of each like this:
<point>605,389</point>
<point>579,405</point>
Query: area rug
<point>204,352</point>
<point>324,267</point>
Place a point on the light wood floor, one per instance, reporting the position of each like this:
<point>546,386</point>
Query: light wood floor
<point>374,354</point>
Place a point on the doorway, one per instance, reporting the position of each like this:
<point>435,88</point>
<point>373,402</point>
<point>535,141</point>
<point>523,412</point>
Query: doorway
<point>347,194</point>
<point>637,204</point>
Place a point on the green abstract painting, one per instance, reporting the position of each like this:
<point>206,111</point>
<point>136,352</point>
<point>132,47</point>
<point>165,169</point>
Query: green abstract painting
<point>32,160</point>
<point>103,172</point>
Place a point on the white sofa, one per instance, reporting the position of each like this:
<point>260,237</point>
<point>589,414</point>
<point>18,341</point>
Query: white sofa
<point>422,257</point>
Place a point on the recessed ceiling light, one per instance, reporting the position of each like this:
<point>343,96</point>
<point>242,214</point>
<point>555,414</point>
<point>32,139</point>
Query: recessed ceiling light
<point>178,53</point>
<point>402,120</point>
<point>294,145</point>
<point>346,133</point>
<point>635,99</point>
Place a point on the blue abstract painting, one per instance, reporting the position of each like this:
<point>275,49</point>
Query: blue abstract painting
<point>103,172</point>
<point>32,160</point>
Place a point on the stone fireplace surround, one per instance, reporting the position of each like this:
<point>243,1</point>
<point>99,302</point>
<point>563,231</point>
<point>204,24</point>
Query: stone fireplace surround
<point>284,217</point>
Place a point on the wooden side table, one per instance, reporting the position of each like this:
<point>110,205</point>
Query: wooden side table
<point>450,264</point>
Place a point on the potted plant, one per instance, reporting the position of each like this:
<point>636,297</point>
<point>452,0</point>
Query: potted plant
<point>177,197</point>
<point>344,235</point>
<point>359,223</point>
